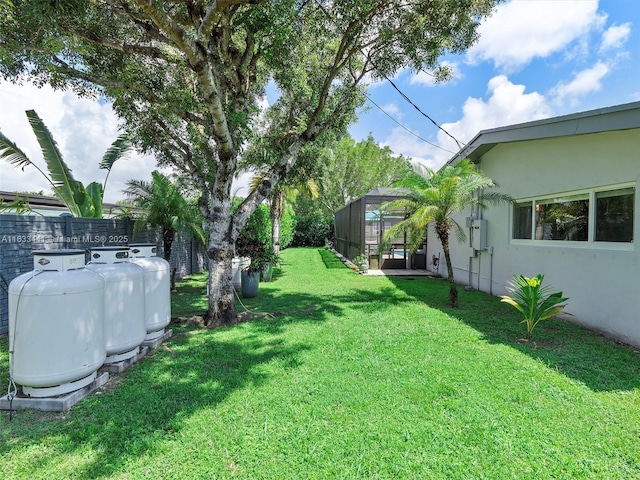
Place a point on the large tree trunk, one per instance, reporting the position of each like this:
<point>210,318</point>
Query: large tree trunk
<point>220,250</point>
<point>222,308</point>
<point>277,209</point>
<point>442,231</point>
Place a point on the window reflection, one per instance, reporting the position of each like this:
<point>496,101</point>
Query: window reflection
<point>614,215</point>
<point>564,218</point>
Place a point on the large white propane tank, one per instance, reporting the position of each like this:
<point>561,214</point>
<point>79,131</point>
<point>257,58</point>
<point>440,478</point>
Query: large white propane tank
<point>56,333</point>
<point>157,286</point>
<point>124,321</point>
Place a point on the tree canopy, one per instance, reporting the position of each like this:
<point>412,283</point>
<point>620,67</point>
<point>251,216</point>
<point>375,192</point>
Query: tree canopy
<point>186,77</point>
<point>354,168</point>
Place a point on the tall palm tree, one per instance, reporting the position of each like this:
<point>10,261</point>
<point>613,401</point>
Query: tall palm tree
<point>81,201</point>
<point>163,206</point>
<point>435,196</point>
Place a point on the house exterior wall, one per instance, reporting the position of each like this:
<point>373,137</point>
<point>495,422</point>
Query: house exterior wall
<point>601,279</point>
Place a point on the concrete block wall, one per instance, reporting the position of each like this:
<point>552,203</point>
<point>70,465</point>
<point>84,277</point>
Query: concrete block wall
<point>21,234</point>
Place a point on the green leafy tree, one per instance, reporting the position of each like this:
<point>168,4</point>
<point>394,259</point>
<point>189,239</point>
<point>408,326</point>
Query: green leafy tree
<point>259,226</point>
<point>164,206</point>
<point>279,204</point>
<point>313,230</point>
<point>436,196</point>
<point>535,302</point>
<point>187,76</point>
<point>351,169</point>
<point>81,201</point>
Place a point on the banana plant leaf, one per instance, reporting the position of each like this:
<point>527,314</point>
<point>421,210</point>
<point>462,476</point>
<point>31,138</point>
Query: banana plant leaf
<point>94,199</point>
<point>67,189</point>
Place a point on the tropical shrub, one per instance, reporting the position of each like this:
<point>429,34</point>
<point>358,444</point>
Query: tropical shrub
<point>287,226</point>
<point>535,302</point>
<point>312,230</point>
<point>259,225</point>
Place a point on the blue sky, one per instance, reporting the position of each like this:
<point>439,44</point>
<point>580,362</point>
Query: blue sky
<point>535,59</point>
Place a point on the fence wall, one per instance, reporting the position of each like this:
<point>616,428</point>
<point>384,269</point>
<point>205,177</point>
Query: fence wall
<point>21,234</point>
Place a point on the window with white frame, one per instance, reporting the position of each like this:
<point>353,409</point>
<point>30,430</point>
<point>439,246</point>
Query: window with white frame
<point>614,215</point>
<point>593,216</point>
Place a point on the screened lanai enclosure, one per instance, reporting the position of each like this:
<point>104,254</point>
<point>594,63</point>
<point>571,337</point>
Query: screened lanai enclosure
<point>360,225</point>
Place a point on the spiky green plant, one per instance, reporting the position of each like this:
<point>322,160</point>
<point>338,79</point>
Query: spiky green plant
<point>81,201</point>
<point>535,302</point>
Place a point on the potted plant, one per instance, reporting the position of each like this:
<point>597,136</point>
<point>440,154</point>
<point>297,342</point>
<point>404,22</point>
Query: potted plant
<point>271,260</point>
<point>362,262</point>
<point>260,259</point>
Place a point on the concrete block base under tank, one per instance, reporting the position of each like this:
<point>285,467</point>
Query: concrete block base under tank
<point>63,403</point>
<point>119,367</point>
<point>155,342</point>
<point>60,403</point>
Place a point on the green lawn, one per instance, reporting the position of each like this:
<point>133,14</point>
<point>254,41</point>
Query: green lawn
<point>354,378</point>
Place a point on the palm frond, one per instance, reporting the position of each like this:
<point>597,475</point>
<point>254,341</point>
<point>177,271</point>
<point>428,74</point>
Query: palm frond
<point>312,188</point>
<point>65,186</point>
<point>255,182</point>
<point>10,152</point>
<point>461,237</point>
<point>17,205</point>
<point>120,148</point>
<point>137,189</point>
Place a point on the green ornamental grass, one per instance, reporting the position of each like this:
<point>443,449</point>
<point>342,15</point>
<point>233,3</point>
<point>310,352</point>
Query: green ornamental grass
<point>346,376</point>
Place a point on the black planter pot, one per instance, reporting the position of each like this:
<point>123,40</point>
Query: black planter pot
<point>250,282</point>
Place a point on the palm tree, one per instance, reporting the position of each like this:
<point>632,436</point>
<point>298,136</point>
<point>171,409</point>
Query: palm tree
<point>81,201</point>
<point>435,196</point>
<point>163,206</point>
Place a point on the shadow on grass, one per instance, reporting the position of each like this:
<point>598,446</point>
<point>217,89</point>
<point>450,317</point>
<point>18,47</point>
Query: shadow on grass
<point>194,371</point>
<point>581,354</point>
<point>330,259</point>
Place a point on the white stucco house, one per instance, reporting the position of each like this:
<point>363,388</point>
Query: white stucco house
<point>576,219</point>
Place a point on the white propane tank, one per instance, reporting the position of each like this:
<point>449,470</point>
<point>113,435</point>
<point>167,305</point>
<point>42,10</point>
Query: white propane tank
<point>157,286</point>
<point>56,331</point>
<point>124,321</point>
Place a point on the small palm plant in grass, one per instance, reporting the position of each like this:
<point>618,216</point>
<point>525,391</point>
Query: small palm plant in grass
<point>534,301</point>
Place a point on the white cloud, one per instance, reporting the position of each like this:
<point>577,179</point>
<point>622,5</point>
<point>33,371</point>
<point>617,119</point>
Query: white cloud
<point>615,37</point>
<point>393,110</point>
<point>428,78</point>
<point>83,129</point>
<point>585,82</point>
<point>402,142</point>
<point>507,104</point>
<point>520,31</point>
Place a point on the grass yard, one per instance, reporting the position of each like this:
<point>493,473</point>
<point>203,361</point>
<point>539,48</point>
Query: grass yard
<point>353,378</point>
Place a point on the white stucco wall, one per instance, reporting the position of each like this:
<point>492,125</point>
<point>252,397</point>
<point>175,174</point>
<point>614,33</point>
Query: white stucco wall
<point>602,280</point>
